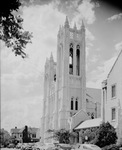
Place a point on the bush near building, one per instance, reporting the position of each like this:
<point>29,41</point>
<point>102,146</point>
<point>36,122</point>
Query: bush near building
<point>90,133</point>
<point>105,135</point>
<point>62,136</point>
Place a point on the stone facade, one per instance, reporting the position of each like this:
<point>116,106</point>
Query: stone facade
<point>112,97</point>
<point>65,82</point>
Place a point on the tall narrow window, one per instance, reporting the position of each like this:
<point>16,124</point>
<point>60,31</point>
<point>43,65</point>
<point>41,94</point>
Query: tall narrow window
<point>71,59</point>
<point>76,104</point>
<point>113,113</point>
<point>72,103</point>
<point>78,60</point>
<point>55,77</point>
<point>113,91</point>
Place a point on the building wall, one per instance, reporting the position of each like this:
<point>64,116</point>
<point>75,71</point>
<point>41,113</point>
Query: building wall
<point>94,97</point>
<point>90,108</point>
<point>93,109</point>
<point>49,97</point>
<point>34,134</point>
<point>114,78</point>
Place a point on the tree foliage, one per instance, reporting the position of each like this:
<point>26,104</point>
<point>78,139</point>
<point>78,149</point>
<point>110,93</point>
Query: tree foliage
<point>26,138</point>
<point>4,137</point>
<point>62,136</point>
<point>105,135</point>
<point>11,30</point>
<point>90,133</point>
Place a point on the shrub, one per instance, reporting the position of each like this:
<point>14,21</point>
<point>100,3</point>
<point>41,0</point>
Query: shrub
<point>90,133</point>
<point>105,135</point>
<point>62,136</point>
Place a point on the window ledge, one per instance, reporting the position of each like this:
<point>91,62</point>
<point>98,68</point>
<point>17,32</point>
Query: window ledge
<point>112,98</point>
<point>114,120</point>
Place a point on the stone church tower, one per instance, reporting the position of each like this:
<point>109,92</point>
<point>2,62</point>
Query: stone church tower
<point>65,81</point>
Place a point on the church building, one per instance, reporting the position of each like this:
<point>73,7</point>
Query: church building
<point>65,92</point>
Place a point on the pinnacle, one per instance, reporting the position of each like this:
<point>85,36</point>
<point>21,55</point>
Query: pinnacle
<point>66,22</point>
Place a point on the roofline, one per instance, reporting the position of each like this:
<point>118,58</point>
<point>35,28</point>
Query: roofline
<point>78,125</point>
<point>78,112</point>
<point>93,88</point>
<point>89,95</point>
<point>88,120</point>
<point>114,63</point>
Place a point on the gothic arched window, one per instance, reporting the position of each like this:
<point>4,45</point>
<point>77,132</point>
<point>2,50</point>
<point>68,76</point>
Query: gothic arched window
<point>71,59</point>
<point>78,60</point>
<point>55,77</point>
<point>72,107</point>
<point>76,104</point>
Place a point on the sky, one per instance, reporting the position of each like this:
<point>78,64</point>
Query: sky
<point>22,79</point>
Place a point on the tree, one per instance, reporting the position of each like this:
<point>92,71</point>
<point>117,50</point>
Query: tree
<point>4,137</point>
<point>62,136</point>
<point>11,30</point>
<point>105,135</point>
<point>26,138</point>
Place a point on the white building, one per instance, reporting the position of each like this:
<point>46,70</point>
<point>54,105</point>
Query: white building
<point>65,92</point>
<point>112,97</point>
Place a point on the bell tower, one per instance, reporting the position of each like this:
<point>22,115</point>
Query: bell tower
<point>70,93</point>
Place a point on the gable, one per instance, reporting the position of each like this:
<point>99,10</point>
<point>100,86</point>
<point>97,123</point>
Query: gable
<point>119,59</point>
<point>78,118</point>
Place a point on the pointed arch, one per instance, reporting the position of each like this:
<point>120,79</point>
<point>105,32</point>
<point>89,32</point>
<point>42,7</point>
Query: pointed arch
<point>76,104</point>
<point>78,60</point>
<point>72,103</point>
<point>71,59</point>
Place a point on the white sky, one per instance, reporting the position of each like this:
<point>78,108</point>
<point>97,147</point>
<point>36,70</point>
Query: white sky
<point>22,80</point>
